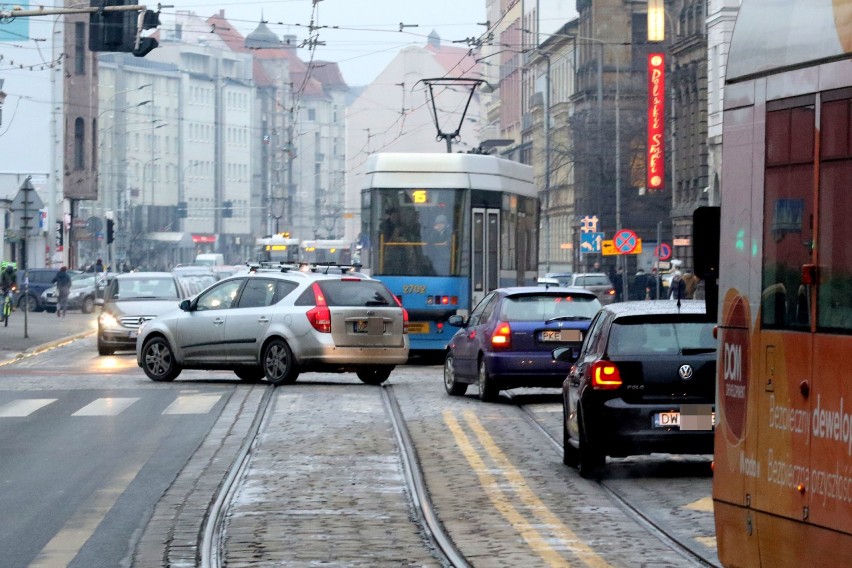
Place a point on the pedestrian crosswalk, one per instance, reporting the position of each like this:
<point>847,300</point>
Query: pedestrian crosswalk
<point>111,406</point>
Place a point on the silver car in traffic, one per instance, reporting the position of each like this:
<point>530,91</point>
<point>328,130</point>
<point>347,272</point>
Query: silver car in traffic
<point>277,323</point>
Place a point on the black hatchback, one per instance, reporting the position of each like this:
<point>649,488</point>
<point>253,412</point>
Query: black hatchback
<point>644,382</point>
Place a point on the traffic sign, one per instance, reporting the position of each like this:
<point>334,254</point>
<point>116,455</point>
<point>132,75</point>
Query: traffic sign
<point>608,248</point>
<point>625,241</point>
<point>590,242</point>
<point>663,251</point>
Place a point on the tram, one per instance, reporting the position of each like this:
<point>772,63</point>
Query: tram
<point>782,483</point>
<point>443,230</point>
<point>280,247</point>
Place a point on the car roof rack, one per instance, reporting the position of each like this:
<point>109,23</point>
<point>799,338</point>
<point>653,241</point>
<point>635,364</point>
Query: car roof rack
<point>305,267</point>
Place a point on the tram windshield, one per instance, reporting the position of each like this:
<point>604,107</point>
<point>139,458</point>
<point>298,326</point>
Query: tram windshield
<point>417,232</point>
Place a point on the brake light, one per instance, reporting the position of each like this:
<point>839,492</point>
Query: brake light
<point>319,315</point>
<point>502,336</point>
<point>605,376</point>
<point>404,315</point>
<point>611,292</point>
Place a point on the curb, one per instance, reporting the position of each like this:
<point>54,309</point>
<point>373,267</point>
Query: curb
<point>47,346</point>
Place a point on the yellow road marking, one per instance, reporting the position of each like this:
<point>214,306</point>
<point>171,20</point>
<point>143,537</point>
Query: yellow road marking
<point>705,505</point>
<point>492,486</point>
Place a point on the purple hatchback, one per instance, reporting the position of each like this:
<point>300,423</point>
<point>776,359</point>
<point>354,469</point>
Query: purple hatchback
<point>508,339</point>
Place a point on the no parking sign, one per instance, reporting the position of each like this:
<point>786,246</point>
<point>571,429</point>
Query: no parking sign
<point>663,251</point>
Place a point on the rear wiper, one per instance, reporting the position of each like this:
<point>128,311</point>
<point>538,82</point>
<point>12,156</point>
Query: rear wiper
<point>697,350</point>
<point>567,318</point>
<point>377,303</point>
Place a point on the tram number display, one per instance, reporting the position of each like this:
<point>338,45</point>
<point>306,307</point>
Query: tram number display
<point>418,327</point>
<point>694,417</point>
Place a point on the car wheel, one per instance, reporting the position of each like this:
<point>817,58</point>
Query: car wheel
<point>488,390</point>
<point>569,452</point>
<point>452,386</point>
<point>590,460</point>
<point>88,305</point>
<point>28,303</point>
<point>250,374</point>
<point>158,360</point>
<point>374,375</point>
<point>278,364</point>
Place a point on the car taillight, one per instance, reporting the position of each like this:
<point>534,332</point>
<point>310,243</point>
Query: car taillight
<point>319,315</point>
<point>404,315</point>
<point>605,376</point>
<point>610,292</point>
<point>502,336</point>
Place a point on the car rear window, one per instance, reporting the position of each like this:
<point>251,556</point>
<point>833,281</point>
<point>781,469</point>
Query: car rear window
<point>661,338</point>
<point>356,293</point>
<point>591,281</point>
<point>542,307</point>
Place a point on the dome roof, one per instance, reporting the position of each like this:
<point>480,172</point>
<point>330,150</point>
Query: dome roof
<point>262,37</point>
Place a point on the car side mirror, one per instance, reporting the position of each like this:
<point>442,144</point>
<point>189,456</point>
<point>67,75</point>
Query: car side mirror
<point>185,305</point>
<point>565,354</point>
<point>456,321</point>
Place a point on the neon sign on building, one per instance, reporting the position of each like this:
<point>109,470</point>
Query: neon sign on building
<point>656,122</point>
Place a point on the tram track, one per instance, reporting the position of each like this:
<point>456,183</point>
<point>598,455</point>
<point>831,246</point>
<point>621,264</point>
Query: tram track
<point>211,549</point>
<point>624,503</point>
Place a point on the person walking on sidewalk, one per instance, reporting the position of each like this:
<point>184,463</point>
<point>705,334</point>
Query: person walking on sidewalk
<point>63,288</point>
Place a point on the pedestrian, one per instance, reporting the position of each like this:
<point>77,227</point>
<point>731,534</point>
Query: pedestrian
<point>654,285</point>
<point>63,288</point>
<point>99,266</point>
<point>690,281</point>
<point>677,287</point>
<point>639,289</point>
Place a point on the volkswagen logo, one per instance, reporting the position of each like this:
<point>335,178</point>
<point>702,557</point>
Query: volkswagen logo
<point>685,372</point>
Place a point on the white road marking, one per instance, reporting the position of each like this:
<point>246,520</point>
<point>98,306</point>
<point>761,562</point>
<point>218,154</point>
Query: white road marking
<point>193,404</point>
<point>105,407</point>
<point>24,407</point>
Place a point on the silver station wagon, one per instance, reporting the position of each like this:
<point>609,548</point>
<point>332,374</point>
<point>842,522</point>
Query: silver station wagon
<point>279,322</point>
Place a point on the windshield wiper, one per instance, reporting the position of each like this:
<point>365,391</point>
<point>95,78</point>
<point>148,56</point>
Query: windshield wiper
<point>697,350</point>
<point>568,318</point>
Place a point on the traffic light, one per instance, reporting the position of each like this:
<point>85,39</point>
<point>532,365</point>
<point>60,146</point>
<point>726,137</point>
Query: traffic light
<point>110,233</point>
<point>227,209</point>
<point>181,210</point>
<point>117,31</point>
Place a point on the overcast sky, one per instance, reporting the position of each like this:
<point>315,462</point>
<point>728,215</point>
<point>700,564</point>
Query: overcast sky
<point>361,35</point>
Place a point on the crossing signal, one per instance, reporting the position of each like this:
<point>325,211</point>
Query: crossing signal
<point>110,231</point>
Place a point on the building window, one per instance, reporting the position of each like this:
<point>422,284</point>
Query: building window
<point>80,49</point>
<point>79,149</point>
<point>312,114</point>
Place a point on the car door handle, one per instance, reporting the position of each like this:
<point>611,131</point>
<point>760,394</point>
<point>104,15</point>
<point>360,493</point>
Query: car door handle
<point>263,319</point>
<point>218,321</point>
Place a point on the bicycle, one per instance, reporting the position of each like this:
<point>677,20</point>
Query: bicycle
<point>7,304</point>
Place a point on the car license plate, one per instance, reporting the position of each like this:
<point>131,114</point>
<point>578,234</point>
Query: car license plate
<point>133,334</point>
<point>693,417</point>
<point>361,326</point>
<point>561,335</point>
<point>418,327</point>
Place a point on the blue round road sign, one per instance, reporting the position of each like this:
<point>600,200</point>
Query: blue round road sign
<point>663,251</point>
<point>625,241</point>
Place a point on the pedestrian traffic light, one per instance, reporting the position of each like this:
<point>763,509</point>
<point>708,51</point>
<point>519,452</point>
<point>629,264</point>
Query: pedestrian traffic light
<point>181,210</point>
<point>227,209</point>
<point>110,233</point>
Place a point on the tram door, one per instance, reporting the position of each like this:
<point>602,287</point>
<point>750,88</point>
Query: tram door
<point>485,253</point>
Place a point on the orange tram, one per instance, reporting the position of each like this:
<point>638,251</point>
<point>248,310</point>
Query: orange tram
<point>782,486</point>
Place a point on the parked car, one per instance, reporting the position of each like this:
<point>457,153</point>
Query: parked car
<point>597,282</point>
<point>196,277</point>
<point>564,278</point>
<point>86,289</point>
<point>278,323</point>
<point>40,279</point>
<point>643,382</point>
<point>508,339</point>
<point>130,300</point>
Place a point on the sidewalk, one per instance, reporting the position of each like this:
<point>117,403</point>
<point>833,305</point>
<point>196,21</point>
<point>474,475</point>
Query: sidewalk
<point>43,330</point>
